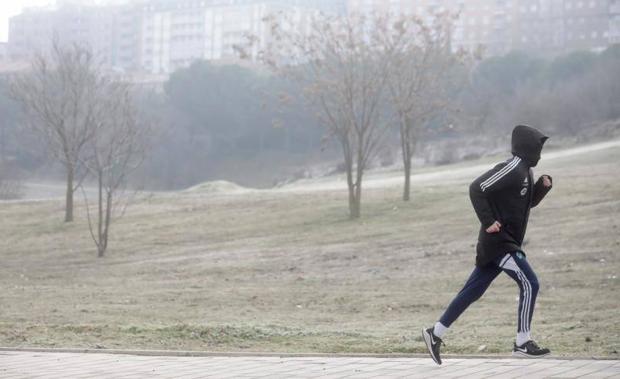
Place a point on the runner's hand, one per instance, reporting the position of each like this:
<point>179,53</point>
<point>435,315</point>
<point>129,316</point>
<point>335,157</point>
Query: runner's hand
<point>494,228</point>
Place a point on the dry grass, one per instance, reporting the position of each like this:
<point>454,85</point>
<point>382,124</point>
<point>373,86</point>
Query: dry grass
<point>277,271</point>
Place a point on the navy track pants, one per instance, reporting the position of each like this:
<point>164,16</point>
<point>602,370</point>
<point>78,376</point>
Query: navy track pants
<point>515,265</point>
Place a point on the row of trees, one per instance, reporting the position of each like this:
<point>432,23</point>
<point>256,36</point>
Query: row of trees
<point>88,122</point>
<point>370,86</point>
<point>258,120</point>
<point>365,76</point>
<point>255,116</point>
<point>565,95</point>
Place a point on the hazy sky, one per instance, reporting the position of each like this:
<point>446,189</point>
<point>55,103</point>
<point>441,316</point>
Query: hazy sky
<point>10,8</point>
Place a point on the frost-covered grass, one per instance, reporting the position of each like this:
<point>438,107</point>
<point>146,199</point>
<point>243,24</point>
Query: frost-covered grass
<point>287,271</point>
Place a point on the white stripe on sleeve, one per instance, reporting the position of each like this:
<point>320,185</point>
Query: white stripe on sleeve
<point>500,174</point>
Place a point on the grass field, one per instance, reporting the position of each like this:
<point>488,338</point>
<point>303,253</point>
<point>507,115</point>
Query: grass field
<point>285,270</point>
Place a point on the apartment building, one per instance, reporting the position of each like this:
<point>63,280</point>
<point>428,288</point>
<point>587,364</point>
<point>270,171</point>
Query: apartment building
<point>156,36</point>
<point>585,24</point>
<point>174,35</point>
<point>498,26</point>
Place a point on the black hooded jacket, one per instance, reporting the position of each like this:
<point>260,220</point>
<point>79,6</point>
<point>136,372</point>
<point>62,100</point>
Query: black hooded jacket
<point>506,193</point>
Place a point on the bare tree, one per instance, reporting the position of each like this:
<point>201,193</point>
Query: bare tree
<point>58,95</point>
<point>342,68</point>
<point>420,78</point>
<point>116,150</point>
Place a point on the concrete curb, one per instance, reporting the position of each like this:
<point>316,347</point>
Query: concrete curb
<point>180,353</point>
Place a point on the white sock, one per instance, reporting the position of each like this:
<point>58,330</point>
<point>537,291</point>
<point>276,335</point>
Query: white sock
<point>439,329</point>
<point>523,337</point>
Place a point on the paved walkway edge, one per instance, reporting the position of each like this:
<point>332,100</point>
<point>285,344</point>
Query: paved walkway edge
<point>181,353</point>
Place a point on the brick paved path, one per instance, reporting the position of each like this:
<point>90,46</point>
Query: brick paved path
<point>21,364</point>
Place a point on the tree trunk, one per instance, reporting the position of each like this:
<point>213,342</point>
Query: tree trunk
<point>358,191</point>
<point>407,189</point>
<point>100,245</point>
<point>354,205</point>
<point>407,156</point>
<point>69,194</point>
<point>108,219</point>
<point>405,143</point>
<point>354,184</point>
<point>354,211</point>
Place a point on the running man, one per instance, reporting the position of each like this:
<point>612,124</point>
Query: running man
<point>502,198</point>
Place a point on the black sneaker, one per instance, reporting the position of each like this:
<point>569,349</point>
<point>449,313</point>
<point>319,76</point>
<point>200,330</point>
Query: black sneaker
<point>529,350</point>
<point>433,343</point>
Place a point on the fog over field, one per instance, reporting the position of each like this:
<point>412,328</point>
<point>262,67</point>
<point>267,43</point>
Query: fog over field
<point>281,270</point>
<point>294,175</point>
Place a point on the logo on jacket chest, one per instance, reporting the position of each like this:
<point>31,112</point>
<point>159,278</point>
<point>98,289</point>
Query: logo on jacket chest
<point>526,183</point>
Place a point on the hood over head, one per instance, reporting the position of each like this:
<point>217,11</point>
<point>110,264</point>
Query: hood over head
<point>527,144</point>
